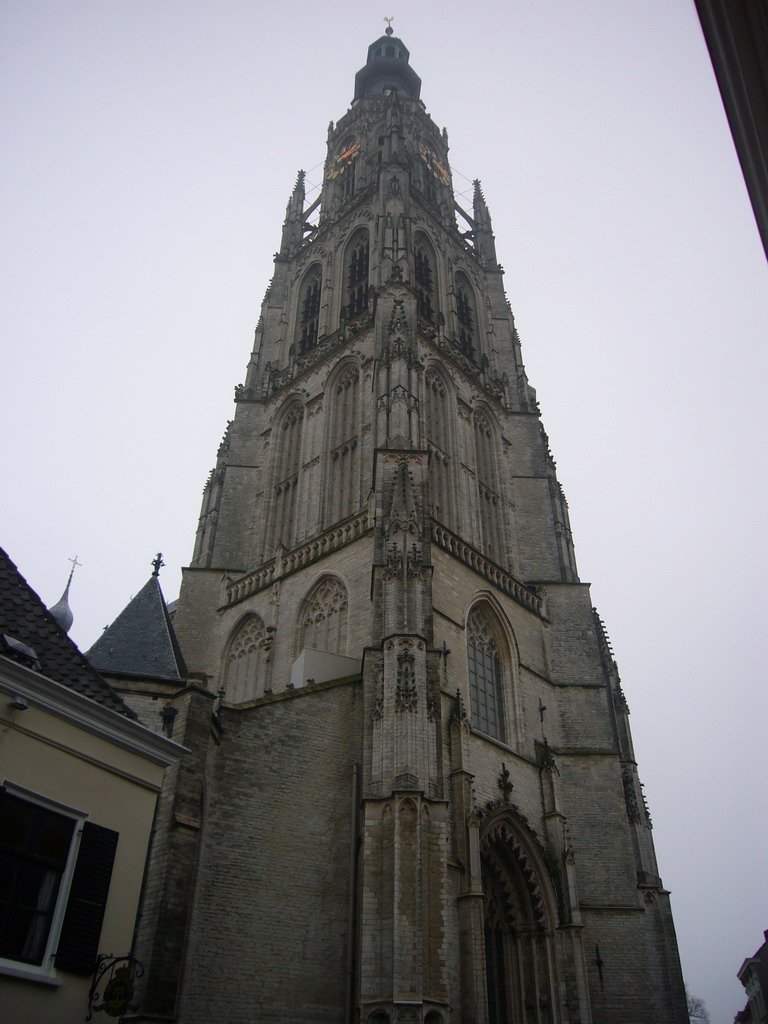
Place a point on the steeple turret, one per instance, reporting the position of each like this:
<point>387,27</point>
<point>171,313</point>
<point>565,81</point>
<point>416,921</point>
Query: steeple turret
<point>386,69</point>
<point>61,610</point>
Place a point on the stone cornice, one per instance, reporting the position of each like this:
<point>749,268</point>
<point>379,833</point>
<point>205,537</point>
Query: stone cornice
<point>498,577</point>
<point>325,543</point>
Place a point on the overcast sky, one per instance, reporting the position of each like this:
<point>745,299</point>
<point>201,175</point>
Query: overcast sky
<point>150,148</point>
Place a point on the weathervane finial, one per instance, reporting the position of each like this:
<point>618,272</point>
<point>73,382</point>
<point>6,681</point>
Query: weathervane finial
<point>388,30</point>
<point>157,563</point>
<point>75,564</point>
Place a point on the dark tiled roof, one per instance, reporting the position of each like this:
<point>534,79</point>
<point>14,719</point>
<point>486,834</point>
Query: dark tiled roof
<point>24,617</point>
<point>141,640</point>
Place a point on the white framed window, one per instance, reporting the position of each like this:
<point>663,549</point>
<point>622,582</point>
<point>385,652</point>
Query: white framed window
<point>55,869</point>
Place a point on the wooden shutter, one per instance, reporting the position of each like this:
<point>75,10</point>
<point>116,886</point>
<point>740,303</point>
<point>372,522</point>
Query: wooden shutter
<point>81,931</point>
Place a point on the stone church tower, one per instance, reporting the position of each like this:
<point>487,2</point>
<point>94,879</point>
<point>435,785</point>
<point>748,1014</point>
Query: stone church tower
<point>411,794</point>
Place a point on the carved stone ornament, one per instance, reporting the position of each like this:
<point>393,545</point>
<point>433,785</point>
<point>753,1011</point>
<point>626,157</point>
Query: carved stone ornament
<point>548,763</point>
<point>433,695</point>
<point>459,712</point>
<point>377,711</point>
<point>393,561</point>
<point>406,698</point>
<point>224,446</point>
<point>505,784</point>
<point>630,796</point>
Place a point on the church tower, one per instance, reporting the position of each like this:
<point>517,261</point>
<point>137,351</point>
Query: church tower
<point>411,793</point>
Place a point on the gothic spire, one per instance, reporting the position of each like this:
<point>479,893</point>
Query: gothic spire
<point>293,226</point>
<point>485,243</point>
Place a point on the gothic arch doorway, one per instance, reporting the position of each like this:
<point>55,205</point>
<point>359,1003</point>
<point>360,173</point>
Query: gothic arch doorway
<point>518,929</point>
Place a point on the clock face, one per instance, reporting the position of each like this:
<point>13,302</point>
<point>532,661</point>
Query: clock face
<point>430,158</point>
<point>345,154</point>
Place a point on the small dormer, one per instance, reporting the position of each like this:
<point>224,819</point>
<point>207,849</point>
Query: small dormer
<point>387,69</point>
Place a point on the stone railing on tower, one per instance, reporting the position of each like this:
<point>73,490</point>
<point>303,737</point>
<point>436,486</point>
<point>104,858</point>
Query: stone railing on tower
<point>499,577</point>
<point>289,561</point>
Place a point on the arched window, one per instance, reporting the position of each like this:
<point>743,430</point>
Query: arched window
<point>465,315</point>
<point>519,928</point>
<point>309,311</point>
<point>485,675</point>
<point>436,429</point>
<point>323,619</point>
<point>347,179</point>
<point>244,661</point>
<point>343,477</point>
<point>286,442</point>
<point>424,274</point>
<point>357,274</point>
<point>489,500</point>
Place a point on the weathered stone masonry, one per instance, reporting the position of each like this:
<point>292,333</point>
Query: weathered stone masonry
<point>411,793</point>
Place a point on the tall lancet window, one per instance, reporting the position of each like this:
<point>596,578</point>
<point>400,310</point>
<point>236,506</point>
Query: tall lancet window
<point>244,661</point>
<point>485,675</point>
<point>424,274</point>
<point>436,428</point>
<point>322,622</point>
<point>357,274</point>
<point>490,505</point>
<point>465,316</point>
<point>343,477</point>
<point>347,180</point>
<point>286,440</point>
<point>309,311</point>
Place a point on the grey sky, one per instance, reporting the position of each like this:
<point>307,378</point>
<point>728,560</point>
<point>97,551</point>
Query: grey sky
<point>150,148</point>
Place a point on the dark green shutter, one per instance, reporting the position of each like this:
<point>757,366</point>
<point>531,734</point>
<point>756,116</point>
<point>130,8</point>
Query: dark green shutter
<point>81,931</point>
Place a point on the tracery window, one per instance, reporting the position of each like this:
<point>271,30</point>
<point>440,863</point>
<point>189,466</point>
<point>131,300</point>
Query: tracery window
<point>436,428</point>
<point>485,675</point>
<point>343,490</point>
<point>425,282</point>
<point>309,312</point>
<point>287,446</point>
<point>430,187</point>
<point>465,315</point>
<point>323,619</point>
<point>347,179</point>
<point>490,505</point>
<point>244,662</point>
<point>357,274</point>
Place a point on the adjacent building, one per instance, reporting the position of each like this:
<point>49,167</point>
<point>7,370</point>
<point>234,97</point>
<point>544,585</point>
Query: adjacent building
<point>753,975</point>
<point>80,778</point>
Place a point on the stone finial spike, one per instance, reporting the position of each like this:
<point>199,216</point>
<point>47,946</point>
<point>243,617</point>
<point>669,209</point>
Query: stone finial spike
<point>478,202</point>
<point>484,242</point>
<point>294,214</point>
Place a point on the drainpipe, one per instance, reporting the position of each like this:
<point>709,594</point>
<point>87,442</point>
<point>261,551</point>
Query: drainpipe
<point>352,899</point>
